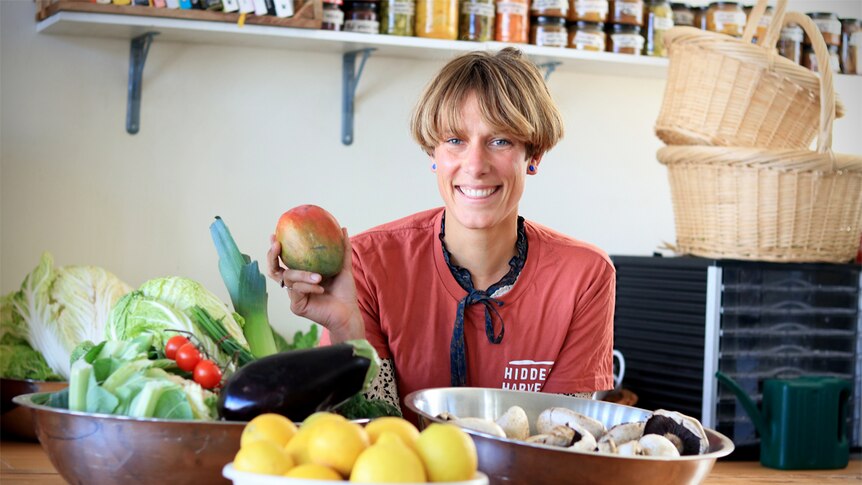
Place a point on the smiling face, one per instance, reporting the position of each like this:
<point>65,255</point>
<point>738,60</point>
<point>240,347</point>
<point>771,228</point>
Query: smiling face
<point>480,172</point>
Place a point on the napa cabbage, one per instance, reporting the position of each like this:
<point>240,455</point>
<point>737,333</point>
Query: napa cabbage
<point>58,308</point>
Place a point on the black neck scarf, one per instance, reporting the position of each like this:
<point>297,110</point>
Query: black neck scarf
<point>457,352</point>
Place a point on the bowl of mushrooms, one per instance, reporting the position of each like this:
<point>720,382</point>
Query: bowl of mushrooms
<point>538,438</point>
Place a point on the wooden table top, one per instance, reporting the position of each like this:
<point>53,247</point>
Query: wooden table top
<point>26,463</point>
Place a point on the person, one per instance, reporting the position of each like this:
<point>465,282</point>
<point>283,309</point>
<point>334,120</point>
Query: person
<point>472,294</point>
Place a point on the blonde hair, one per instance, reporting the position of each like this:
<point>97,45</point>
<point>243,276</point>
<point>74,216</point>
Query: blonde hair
<point>511,93</point>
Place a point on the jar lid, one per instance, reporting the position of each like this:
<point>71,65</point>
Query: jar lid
<point>822,15</point>
<point>719,4</point>
<point>626,28</point>
<point>679,5</point>
<point>849,22</point>
<point>598,25</point>
<point>544,19</point>
<point>333,2</point>
<point>368,5</point>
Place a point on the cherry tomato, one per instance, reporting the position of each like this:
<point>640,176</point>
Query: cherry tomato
<point>207,374</point>
<point>188,357</point>
<point>173,344</point>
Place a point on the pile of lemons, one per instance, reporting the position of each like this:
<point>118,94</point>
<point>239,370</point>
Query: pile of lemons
<point>326,446</point>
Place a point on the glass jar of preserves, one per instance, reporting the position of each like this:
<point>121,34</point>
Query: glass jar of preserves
<point>699,17</point>
<point>476,22</point>
<point>629,12</point>
<point>437,19</point>
<point>809,59</point>
<point>397,17</point>
<point>658,19</point>
<point>362,17</point>
<point>762,24</point>
<point>790,42</point>
<point>513,21</point>
<point>333,16</point>
<point>851,39</point>
<point>595,11</point>
<point>550,8</point>
<point>829,26</point>
<point>549,31</point>
<point>683,15</point>
<point>587,36</point>
<point>626,39</point>
<point>726,18</point>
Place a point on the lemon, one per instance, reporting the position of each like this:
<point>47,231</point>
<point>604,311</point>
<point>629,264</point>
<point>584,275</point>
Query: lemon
<point>322,415</point>
<point>448,453</point>
<point>403,428</point>
<point>297,447</point>
<point>269,426</point>
<point>390,460</point>
<point>263,457</point>
<point>313,472</point>
<point>336,444</point>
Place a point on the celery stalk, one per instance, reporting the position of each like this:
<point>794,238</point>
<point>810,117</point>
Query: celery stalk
<point>247,289</point>
<point>79,381</point>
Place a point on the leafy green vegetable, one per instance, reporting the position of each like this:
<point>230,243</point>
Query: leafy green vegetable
<point>118,378</point>
<point>63,307</point>
<point>215,330</point>
<point>301,340</point>
<point>20,361</point>
<point>81,350</point>
<point>247,289</point>
<point>361,407</point>
<point>11,323</point>
<point>166,304</point>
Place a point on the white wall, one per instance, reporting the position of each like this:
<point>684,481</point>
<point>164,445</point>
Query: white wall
<point>248,133</point>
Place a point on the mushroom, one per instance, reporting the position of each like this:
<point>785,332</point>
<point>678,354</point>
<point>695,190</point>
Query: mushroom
<point>584,440</point>
<point>558,436</point>
<point>481,425</point>
<point>621,433</point>
<point>446,416</point>
<point>631,448</point>
<point>685,432</point>
<point>515,423</point>
<point>656,445</point>
<point>556,416</point>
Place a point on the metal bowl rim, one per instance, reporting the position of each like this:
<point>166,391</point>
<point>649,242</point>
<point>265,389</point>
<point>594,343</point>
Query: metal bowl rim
<point>32,381</point>
<point>727,445</point>
<point>26,400</point>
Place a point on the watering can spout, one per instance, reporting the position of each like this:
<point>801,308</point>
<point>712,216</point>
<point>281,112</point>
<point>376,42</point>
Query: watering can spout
<point>747,403</point>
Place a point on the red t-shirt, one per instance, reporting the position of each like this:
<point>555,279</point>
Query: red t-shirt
<point>558,316</point>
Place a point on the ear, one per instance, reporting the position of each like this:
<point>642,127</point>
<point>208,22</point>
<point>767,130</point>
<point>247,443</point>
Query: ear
<point>534,162</point>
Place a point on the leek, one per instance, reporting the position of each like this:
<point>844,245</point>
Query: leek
<point>247,289</point>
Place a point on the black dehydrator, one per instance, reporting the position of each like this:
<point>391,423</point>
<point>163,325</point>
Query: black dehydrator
<point>680,319</point>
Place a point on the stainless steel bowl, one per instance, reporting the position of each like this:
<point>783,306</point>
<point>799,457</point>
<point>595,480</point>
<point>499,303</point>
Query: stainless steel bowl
<point>15,421</point>
<point>108,449</point>
<point>514,462</point>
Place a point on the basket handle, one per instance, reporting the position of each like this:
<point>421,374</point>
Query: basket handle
<point>827,90</point>
<point>774,30</point>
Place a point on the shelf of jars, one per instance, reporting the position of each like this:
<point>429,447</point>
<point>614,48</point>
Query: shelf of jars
<point>297,33</point>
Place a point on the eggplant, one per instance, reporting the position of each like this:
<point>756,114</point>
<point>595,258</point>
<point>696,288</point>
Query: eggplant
<point>298,383</point>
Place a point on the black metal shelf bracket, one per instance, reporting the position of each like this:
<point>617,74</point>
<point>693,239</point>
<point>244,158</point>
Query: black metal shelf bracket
<point>549,68</point>
<point>350,79</point>
<point>137,57</point>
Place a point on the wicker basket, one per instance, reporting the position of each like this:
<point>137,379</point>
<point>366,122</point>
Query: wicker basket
<point>762,204</point>
<point>724,91</point>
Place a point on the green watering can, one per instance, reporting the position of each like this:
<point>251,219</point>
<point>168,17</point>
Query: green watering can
<point>802,425</point>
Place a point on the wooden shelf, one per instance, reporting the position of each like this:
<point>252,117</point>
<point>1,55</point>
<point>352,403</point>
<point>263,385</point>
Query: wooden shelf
<point>94,20</point>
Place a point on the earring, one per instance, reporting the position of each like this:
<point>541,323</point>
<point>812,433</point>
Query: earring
<point>433,166</point>
<point>531,168</point>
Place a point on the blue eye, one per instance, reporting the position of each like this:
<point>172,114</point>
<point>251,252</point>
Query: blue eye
<point>501,142</point>
<point>453,141</point>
